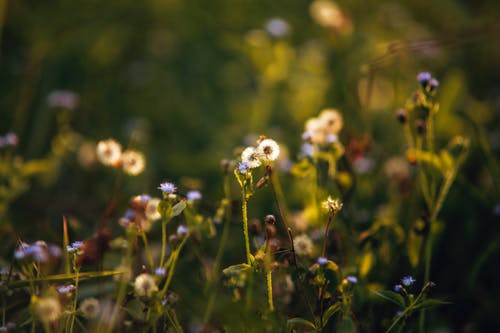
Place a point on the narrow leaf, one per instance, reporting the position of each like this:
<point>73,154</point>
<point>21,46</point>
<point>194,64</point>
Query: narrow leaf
<point>330,312</point>
<point>178,208</point>
<point>391,296</point>
<point>300,321</point>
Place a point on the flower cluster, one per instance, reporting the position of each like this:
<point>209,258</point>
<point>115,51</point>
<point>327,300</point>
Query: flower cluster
<point>109,152</point>
<point>324,129</point>
<point>142,212</point>
<point>39,252</point>
<point>266,151</point>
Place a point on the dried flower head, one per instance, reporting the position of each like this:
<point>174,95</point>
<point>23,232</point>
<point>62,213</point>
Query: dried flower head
<point>144,285</point>
<point>252,157</point>
<point>332,205</point>
<point>133,162</point>
<point>90,308</point>
<point>109,152</point>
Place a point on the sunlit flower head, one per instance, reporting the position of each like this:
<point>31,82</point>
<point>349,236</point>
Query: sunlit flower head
<point>303,245</point>
<point>167,188</point>
<point>332,205</point>
<point>133,162</point>
<point>331,120</point>
<point>252,157</point>
<point>151,210</point>
<point>90,308</point>
<point>268,149</point>
<point>47,309</point>
<point>144,285</point>
<point>109,152</point>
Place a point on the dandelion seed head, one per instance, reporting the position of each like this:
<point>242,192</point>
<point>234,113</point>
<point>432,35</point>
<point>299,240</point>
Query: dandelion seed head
<point>91,308</point>
<point>268,149</point>
<point>252,157</point>
<point>144,285</point>
<point>331,121</point>
<point>303,245</point>
<point>109,152</point>
<point>133,162</point>
<point>332,205</point>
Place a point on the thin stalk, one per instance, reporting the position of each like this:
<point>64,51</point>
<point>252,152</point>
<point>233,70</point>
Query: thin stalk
<point>330,219</point>
<point>270,290</point>
<point>245,225</point>
<point>147,250</point>
<point>163,241</point>
<point>173,263</point>
<point>75,301</point>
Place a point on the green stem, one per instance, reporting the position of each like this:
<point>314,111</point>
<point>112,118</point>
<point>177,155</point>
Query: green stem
<point>173,263</point>
<point>270,290</point>
<point>147,250</point>
<point>163,241</point>
<point>75,301</point>
<point>245,226</point>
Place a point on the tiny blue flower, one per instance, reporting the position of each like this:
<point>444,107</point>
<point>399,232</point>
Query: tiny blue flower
<point>167,187</point>
<point>424,78</point>
<point>398,288</point>
<point>407,281</point>
<point>65,289</point>
<point>322,261</point>
<point>74,247</point>
<point>182,230</point>
<point>243,167</point>
<point>307,149</point>
<point>352,279</point>
<point>160,271</point>
<point>193,195</point>
<point>434,84</point>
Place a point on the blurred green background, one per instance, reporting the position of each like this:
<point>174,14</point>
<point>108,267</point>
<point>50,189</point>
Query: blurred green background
<point>187,82</point>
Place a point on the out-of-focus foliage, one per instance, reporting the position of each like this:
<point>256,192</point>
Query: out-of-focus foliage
<point>186,82</point>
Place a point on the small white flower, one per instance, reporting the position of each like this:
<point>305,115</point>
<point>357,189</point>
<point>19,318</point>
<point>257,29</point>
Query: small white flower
<point>151,211</point>
<point>144,285</point>
<point>251,157</point>
<point>303,245</point>
<point>332,205</point>
<point>133,162</point>
<point>268,149</point>
<point>90,308</point>
<point>109,152</point>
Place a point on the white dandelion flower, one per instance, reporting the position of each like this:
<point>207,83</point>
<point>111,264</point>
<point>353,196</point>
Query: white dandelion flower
<point>144,285</point>
<point>109,152</point>
<point>268,149</point>
<point>133,162</point>
<point>251,157</point>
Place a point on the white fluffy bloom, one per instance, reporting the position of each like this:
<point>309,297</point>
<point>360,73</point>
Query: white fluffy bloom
<point>251,157</point>
<point>268,149</point>
<point>144,285</point>
<point>332,121</point>
<point>133,162</point>
<point>109,152</point>
<point>90,308</point>
<point>303,245</point>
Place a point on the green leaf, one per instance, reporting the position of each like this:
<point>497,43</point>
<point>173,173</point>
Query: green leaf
<point>330,312</point>
<point>236,269</point>
<point>430,302</point>
<point>64,277</point>
<point>178,208</point>
<point>300,321</point>
<point>391,296</point>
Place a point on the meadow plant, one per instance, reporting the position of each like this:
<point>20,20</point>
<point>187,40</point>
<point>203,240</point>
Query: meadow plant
<point>301,267</point>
